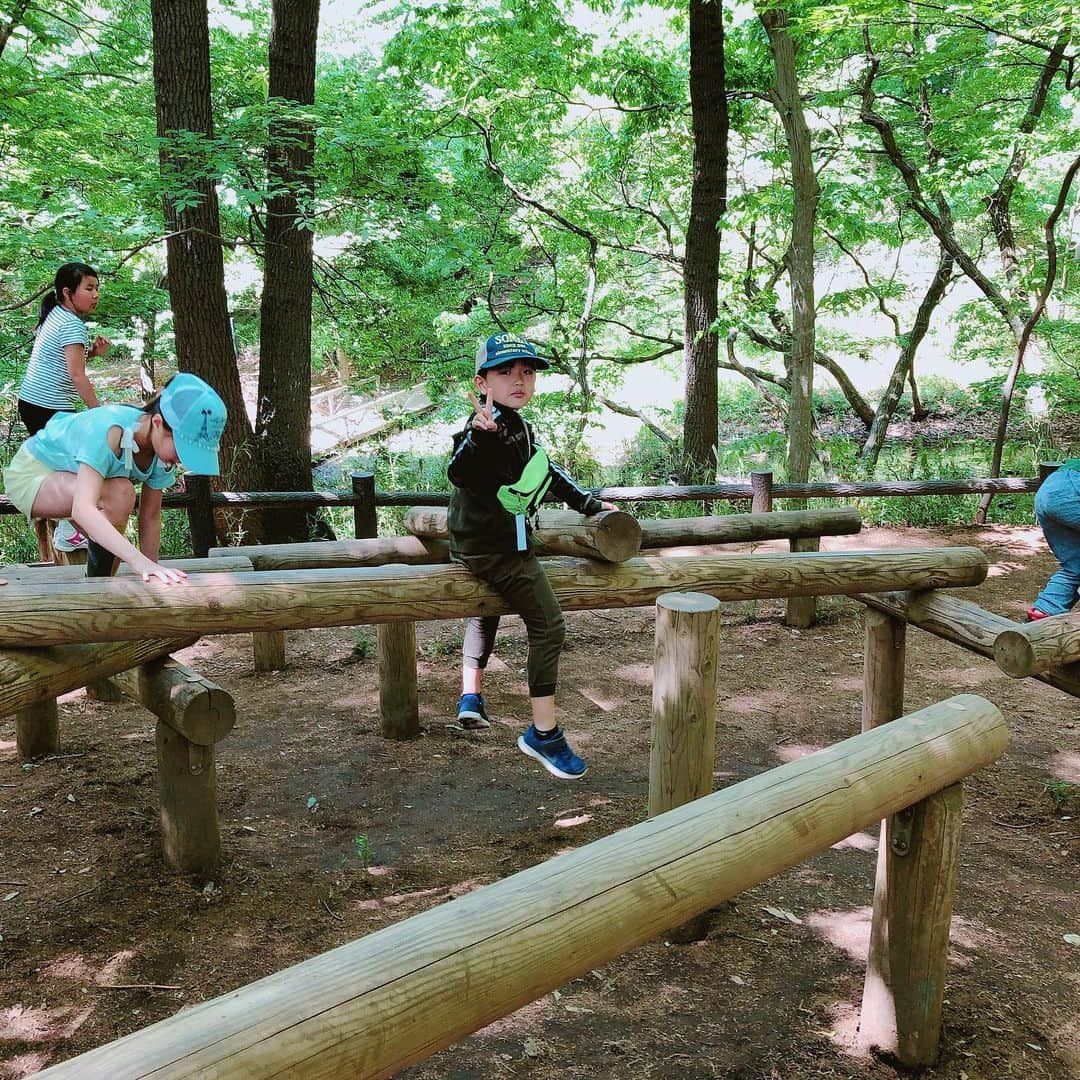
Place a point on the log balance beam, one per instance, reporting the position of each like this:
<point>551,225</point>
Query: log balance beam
<point>374,1006</point>
<point>973,628</point>
<point>113,609</point>
<point>562,532</point>
<point>1035,648</point>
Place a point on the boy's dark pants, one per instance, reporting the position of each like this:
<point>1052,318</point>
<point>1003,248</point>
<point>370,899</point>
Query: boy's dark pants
<point>519,579</point>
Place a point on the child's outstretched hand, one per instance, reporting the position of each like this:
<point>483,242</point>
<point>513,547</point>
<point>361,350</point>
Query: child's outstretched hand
<point>482,414</point>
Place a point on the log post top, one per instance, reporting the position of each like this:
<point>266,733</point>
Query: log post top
<point>690,602</point>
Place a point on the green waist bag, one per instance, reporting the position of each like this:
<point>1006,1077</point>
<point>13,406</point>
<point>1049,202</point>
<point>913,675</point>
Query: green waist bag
<point>523,496</point>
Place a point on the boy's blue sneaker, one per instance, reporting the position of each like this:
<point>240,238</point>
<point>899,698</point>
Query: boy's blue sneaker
<point>553,753</point>
<point>471,714</point>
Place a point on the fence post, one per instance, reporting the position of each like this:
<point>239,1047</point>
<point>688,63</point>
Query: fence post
<point>365,514</point>
<point>200,515</point>
<point>761,485</point>
<point>187,787</point>
<point>399,710</point>
<point>916,882</point>
<point>1046,468</point>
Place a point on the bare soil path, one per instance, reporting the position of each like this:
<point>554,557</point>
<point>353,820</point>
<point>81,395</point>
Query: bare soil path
<point>331,832</point>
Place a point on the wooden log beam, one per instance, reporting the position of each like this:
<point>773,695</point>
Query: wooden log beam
<point>965,624</point>
<point>375,1006</point>
<point>1036,647</point>
<point>190,704</point>
<point>31,572</point>
<point>29,677</point>
<point>117,609</point>
<point>611,535</point>
<point>749,528</point>
<point>331,554</point>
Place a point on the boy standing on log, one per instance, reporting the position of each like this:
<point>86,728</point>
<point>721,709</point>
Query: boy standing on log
<point>499,477</point>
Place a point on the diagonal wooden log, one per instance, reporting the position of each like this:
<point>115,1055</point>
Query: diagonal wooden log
<point>1038,646</point>
<point>372,1007</point>
<point>115,609</point>
<point>611,535</point>
<point>29,677</point>
<point>965,624</point>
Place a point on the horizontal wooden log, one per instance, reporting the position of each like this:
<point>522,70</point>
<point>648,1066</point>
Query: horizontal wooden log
<point>749,528</point>
<point>965,624</point>
<point>32,676</point>
<point>37,572</point>
<point>328,554</point>
<point>190,704</point>
<point>374,1006</point>
<point>1038,646</point>
<point>118,609</point>
<point>611,535</point>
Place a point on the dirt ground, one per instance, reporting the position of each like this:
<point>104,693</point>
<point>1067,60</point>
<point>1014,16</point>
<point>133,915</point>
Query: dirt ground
<point>330,832</point>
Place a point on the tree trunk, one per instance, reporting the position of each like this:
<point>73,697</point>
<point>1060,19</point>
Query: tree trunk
<point>283,424</point>
<point>799,257</point>
<point>196,273</point>
<point>910,343</point>
<point>708,202</point>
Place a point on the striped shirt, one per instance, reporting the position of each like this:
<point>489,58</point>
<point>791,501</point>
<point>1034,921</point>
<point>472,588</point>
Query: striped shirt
<point>47,382</point>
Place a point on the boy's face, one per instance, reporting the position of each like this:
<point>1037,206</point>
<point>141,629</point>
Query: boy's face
<point>510,385</point>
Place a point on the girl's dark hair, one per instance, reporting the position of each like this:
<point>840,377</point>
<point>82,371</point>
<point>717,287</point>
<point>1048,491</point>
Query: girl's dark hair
<point>68,276</point>
<point>153,406</point>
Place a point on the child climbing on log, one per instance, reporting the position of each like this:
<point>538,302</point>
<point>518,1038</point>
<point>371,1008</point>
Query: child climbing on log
<point>1057,509</point>
<point>499,477</point>
<point>84,466</point>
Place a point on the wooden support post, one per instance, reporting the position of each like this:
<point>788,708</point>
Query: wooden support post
<point>365,513</point>
<point>884,641</point>
<point>1046,468</point>
<point>915,884</point>
<point>37,730</point>
<point>200,515</point>
<point>187,783</point>
<point>399,710</point>
<point>684,700</point>
<point>761,483</point>
<point>802,610</point>
<point>269,650</point>
<point>909,936</point>
<point>684,714</point>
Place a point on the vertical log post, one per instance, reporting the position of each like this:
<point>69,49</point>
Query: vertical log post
<point>684,713</point>
<point>802,610</point>
<point>761,485</point>
<point>365,513</point>
<point>684,699</point>
<point>200,515</point>
<point>916,883</point>
<point>37,730</point>
<point>1046,468</point>
<point>399,710</point>
<point>187,785</point>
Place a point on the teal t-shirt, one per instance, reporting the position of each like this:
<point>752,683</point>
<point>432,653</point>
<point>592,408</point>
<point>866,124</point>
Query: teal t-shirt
<point>69,440</point>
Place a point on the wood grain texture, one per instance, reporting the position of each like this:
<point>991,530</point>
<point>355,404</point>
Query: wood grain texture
<point>1036,647</point>
<point>117,609</point>
<point>374,1006</point>
<point>328,554</point>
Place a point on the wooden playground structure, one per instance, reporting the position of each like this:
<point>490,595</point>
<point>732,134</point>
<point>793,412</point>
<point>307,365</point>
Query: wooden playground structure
<point>371,1007</point>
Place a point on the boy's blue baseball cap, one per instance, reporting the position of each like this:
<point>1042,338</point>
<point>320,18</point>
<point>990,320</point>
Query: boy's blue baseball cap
<point>501,349</point>
<point>196,414</point>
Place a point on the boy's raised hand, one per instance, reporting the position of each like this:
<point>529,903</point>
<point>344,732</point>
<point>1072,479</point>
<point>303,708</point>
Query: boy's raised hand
<point>482,413</point>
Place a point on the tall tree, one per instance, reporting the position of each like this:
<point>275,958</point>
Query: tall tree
<point>196,272</point>
<point>708,202</point>
<point>799,257</point>
<point>283,423</point>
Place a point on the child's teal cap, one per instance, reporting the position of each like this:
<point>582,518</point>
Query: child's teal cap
<point>501,349</point>
<point>196,414</point>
